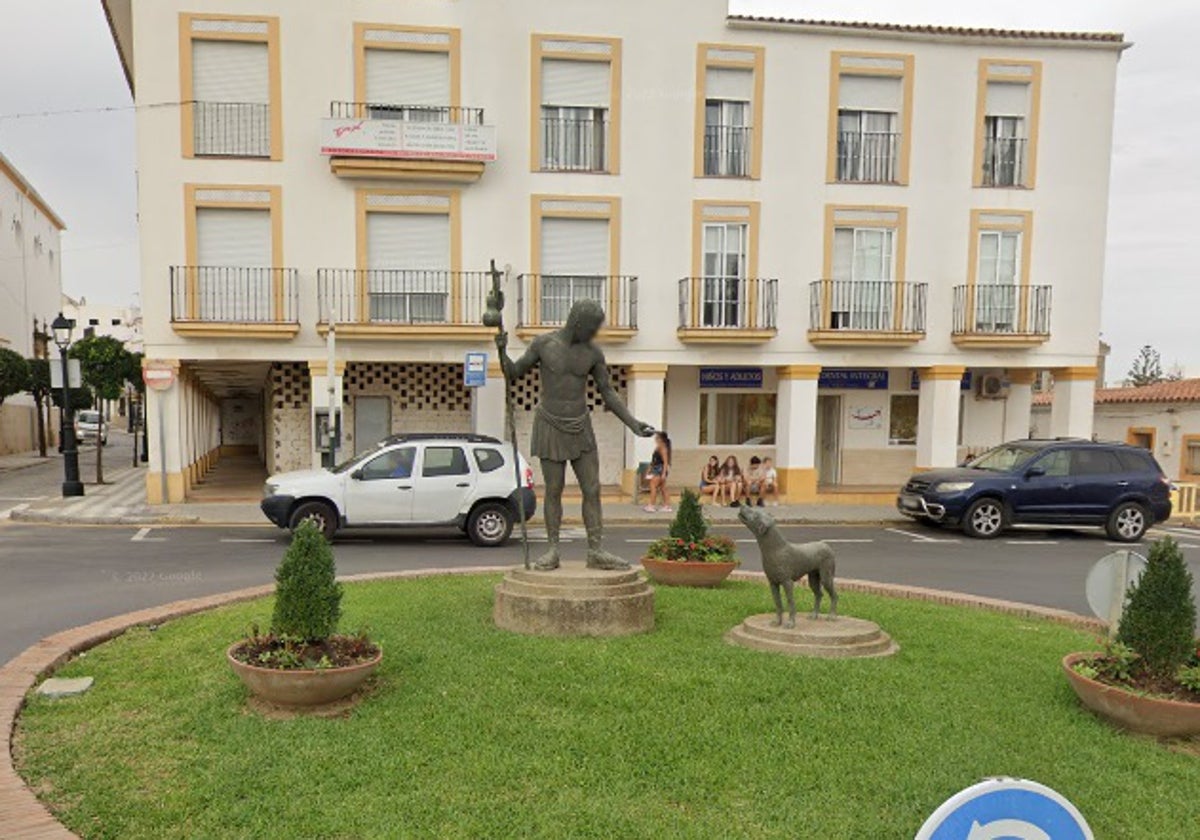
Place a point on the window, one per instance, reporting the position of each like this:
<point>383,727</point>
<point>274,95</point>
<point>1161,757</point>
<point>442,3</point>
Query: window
<point>407,73</point>
<point>1003,151</point>
<point>870,107</point>
<point>1056,464</point>
<point>488,460</point>
<point>721,291</point>
<point>116,322</point>
<point>1094,462</point>
<point>1191,456</point>
<point>737,419</point>
<point>1143,437</point>
<point>1007,123</point>
<point>577,107</point>
<point>408,256</point>
<point>442,461</point>
<point>863,267</point>
<point>728,110</point>
<point>1135,461</point>
<point>576,255</point>
<point>230,81</point>
<point>867,145</point>
<point>93,322</point>
<point>999,298</point>
<point>395,463</point>
<point>997,280</point>
<point>725,292</point>
<point>902,419</point>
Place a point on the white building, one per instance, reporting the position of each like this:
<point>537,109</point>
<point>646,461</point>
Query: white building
<point>30,285</point>
<point>850,246</point>
<point>123,323</point>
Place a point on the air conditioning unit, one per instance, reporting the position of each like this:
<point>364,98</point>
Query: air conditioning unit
<point>992,386</point>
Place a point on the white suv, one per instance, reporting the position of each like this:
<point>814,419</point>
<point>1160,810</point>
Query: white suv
<point>410,480</point>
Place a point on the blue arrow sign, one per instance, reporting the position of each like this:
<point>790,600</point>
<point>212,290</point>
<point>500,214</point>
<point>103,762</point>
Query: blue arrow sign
<point>1006,809</point>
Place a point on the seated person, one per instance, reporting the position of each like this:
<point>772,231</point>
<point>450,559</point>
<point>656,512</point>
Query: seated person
<point>729,483</point>
<point>752,494</point>
<point>770,483</point>
<point>709,475</point>
<point>403,462</point>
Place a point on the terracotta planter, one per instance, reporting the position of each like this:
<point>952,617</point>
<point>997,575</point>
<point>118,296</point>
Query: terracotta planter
<point>1148,715</point>
<point>687,573</point>
<point>302,687</point>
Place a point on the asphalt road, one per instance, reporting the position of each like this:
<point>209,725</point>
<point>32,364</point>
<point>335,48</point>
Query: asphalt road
<point>56,577</point>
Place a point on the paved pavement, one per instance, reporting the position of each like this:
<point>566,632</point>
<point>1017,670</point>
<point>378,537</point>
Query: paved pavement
<point>27,480</point>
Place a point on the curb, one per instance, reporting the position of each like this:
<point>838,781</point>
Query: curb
<point>46,517</point>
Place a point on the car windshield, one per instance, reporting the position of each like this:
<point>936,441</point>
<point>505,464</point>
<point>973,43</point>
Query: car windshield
<point>1003,458</point>
<point>88,417</point>
<point>346,465</point>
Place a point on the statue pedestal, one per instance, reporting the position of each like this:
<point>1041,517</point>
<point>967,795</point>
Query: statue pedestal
<point>841,638</point>
<point>574,601</point>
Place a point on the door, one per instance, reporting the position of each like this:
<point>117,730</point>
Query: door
<point>1099,482</point>
<point>372,421</point>
<point>444,484</point>
<point>863,296</point>
<point>829,440</point>
<point>996,287</point>
<point>380,492</point>
<point>722,287</point>
<point>1045,496</point>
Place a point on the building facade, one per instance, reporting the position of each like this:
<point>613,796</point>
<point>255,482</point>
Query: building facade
<point>851,247</point>
<point>30,286</point>
<point>124,323</point>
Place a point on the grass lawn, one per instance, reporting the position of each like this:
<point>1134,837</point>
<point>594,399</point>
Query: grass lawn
<point>472,732</point>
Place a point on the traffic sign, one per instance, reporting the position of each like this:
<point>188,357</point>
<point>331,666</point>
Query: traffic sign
<point>1013,809</point>
<point>74,376</point>
<point>475,370</point>
<point>158,376</point>
<point>1108,583</point>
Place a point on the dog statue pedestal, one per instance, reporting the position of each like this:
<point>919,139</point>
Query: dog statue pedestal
<point>840,638</point>
<point>574,601</point>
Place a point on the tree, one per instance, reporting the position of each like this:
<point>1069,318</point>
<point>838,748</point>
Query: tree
<point>14,373</point>
<point>38,386</point>
<point>104,364</point>
<point>308,598</point>
<point>689,524</point>
<point>1146,369</point>
<point>1160,616</point>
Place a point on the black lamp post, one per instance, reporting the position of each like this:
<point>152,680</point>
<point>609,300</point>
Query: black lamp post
<point>71,486</point>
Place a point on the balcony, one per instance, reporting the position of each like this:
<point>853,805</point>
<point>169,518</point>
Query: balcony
<point>544,301</point>
<point>400,304</point>
<point>727,310</point>
<point>868,157</point>
<point>221,301</point>
<point>231,129</point>
<point>866,312</point>
<point>572,144</point>
<point>410,142</point>
<point>727,151</point>
<point>1004,162</point>
<point>1004,316</point>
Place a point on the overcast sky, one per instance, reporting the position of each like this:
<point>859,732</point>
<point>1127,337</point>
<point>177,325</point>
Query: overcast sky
<point>83,164</point>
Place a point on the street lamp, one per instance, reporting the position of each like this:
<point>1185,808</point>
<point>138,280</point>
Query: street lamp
<point>71,486</point>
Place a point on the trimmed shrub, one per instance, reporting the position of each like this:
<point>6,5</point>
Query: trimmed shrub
<point>689,524</point>
<point>308,598</point>
<point>1160,615</point>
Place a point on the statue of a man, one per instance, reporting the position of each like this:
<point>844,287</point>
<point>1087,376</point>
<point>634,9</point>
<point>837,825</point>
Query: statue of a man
<point>562,426</point>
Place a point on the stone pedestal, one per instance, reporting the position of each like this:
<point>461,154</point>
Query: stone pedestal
<point>574,601</point>
<point>840,638</point>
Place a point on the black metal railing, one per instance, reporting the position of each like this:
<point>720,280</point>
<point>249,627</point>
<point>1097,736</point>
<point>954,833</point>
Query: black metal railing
<point>728,303</point>
<point>574,145</point>
<point>401,296</point>
<point>1004,161</point>
<point>231,129</point>
<point>727,150</point>
<point>1007,309</point>
<point>222,294</point>
<point>546,299</point>
<point>871,306</point>
<point>868,156</point>
<point>452,114</point>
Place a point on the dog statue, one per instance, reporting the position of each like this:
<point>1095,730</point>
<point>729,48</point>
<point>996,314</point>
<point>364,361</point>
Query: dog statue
<point>785,563</point>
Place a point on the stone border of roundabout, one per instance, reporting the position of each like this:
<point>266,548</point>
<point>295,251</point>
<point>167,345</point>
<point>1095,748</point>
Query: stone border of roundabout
<point>27,818</point>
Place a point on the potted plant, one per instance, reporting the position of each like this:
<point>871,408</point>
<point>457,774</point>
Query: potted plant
<point>1148,678</point>
<point>301,661</point>
<point>689,555</point>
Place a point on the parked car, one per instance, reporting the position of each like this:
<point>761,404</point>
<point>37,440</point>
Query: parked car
<point>1045,482</point>
<point>89,426</point>
<point>466,481</point>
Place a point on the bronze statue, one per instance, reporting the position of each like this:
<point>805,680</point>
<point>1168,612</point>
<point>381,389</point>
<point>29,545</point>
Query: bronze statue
<point>785,563</point>
<point>562,425</point>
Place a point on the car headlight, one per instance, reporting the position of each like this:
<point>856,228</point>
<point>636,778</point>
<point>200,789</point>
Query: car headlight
<point>953,486</point>
<point>269,489</point>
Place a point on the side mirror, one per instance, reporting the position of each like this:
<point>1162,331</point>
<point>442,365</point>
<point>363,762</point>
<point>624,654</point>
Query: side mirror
<point>1035,472</point>
<point>357,475</point>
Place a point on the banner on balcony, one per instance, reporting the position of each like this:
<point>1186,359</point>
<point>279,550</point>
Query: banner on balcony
<point>731,377</point>
<point>852,378</point>
<point>401,139</point>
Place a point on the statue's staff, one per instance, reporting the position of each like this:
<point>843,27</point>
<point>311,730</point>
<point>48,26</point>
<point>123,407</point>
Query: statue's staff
<point>493,316</point>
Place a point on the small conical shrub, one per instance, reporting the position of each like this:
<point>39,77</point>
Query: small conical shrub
<point>689,524</point>
<point>1160,616</point>
<point>308,598</point>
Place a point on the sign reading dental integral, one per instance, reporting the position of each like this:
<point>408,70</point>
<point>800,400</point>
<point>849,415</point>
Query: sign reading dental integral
<point>401,139</point>
<point>475,370</point>
<point>1006,809</point>
<point>876,380</point>
<point>731,377</point>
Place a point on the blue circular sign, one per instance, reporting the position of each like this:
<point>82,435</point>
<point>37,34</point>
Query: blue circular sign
<point>1006,809</point>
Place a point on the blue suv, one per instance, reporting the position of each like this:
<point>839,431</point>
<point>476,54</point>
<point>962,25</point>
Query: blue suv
<point>1045,482</point>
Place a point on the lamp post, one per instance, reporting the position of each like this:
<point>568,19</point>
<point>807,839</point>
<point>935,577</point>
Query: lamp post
<point>71,485</point>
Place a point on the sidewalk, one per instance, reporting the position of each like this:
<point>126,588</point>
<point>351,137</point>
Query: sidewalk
<point>24,460</point>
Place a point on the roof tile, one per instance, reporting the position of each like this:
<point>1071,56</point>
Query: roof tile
<point>930,29</point>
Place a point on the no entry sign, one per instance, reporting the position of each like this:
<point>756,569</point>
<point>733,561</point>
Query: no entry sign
<point>158,376</point>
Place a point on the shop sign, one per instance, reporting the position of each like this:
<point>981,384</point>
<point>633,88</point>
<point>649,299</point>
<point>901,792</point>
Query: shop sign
<point>851,378</point>
<point>731,377</point>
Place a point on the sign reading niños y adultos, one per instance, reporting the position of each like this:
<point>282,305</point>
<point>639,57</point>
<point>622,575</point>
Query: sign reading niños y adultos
<point>731,377</point>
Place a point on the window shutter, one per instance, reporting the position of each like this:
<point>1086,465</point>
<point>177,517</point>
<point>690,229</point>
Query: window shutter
<point>843,253</point>
<point>407,77</point>
<point>232,237</point>
<point>418,241</point>
<point>575,246</point>
<point>1007,98</point>
<point>230,71</point>
<point>729,83</point>
<point>575,83</point>
<point>869,93</point>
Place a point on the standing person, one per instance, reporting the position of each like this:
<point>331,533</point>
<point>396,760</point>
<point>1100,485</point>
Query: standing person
<point>770,482</point>
<point>656,477</point>
<point>732,480</point>
<point>754,482</point>
<point>562,425</point>
<point>710,477</point>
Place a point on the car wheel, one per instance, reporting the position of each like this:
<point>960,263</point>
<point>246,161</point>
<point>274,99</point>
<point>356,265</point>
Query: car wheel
<point>985,519</point>
<point>319,513</point>
<point>1128,522</point>
<point>490,525</point>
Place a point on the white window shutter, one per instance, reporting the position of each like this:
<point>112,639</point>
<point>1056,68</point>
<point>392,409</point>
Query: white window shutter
<point>407,77</point>
<point>729,83</point>
<point>843,253</point>
<point>575,246</point>
<point>869,93</point>
<point>230,71</point>
<point>576,83</point>
<point>1007,99</point>
<point>232,237</point>
<point>416,241</point>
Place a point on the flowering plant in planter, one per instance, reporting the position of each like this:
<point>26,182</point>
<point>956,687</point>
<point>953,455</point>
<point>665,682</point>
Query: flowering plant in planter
<point>689,540</point>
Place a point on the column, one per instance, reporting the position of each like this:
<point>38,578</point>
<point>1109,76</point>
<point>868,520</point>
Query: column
<point>1018,406</point>
<point>1074,402</point>
<point>937,416</point>
<point>164,421</point>
<point>796,431</point>
<point>488,406</point>
<point>318,379</point>
<point>647,402</point>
